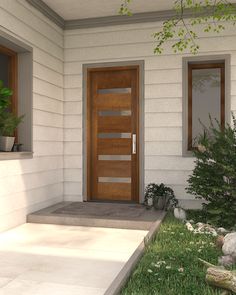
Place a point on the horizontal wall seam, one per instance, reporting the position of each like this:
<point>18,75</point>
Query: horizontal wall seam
<point>46,81</point>
<point>141,43</point>
<point>50,97</point>
<point>45,140</point>
<point>44,19</point>
<point>29,43</point>
<point>47,67</point>
<point>33,29</point>
<point>50,112</point>
<point>144,57</point>
<point>31,189</point>
<point>47,126</point>
<point>32,173</point>
<point>33,204</point>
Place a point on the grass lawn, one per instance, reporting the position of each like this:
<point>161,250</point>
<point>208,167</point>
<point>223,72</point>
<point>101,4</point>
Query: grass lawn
<point>170,265</point>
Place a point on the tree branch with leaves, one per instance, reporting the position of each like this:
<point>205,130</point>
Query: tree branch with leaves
<point>180,29</point>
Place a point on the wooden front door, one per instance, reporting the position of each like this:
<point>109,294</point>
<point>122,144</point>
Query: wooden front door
<point>112,134</point>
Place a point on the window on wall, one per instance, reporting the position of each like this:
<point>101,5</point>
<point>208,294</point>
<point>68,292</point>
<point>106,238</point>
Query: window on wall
<point>16,72</point>
<point>205,98</point>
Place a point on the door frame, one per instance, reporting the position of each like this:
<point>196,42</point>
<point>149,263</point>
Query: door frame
<point>86,68</point>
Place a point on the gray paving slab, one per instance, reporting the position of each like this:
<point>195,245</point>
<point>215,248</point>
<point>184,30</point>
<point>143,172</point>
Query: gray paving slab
<point>43,259</point>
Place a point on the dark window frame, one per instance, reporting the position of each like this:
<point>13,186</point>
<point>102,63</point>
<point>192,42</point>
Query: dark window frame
<point>204,65</point>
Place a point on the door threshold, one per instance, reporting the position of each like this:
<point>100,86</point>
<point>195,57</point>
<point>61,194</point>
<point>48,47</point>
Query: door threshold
<point>112,202</point>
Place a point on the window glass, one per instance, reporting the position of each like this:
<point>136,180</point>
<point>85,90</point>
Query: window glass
<point>4,69</point>
<point>114,135</point>
<point>206,101</point>
<point>206,98</point>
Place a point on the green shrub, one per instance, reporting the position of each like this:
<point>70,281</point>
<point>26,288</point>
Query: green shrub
<point>214,176</point>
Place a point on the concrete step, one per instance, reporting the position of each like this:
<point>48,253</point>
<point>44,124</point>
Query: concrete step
<point>109,215</point>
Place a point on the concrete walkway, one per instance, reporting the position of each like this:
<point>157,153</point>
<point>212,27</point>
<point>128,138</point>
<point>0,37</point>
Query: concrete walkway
<point>43,259</point>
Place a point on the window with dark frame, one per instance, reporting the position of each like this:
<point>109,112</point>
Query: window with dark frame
<point>16,72</point>
<point>206,97</point>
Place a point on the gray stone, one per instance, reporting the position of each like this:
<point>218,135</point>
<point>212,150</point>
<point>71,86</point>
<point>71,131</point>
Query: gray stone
<point>226,260</point>
<point>229,246</point>
<point>180,213</point>
<point>221,230</point>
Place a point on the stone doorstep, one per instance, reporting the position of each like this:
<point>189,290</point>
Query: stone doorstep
<point>122,216</point>
<point>123,276</point>
<point>89,221</point>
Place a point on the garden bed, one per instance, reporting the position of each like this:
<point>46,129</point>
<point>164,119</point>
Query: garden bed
<point>170,265</point>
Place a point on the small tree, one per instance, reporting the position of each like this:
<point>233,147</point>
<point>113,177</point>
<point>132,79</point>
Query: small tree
<point>214,176</point>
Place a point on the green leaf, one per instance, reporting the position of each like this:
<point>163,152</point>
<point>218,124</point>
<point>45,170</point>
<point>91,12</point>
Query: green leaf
<point>181,32</point>
<point>215,211</point>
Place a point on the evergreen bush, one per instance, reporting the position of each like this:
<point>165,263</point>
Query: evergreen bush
<point>214,176</point>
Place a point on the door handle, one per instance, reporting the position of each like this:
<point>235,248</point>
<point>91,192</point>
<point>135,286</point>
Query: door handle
<point>133,143</point>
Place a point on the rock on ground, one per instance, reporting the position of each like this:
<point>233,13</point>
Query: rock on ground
<point>229,246</point>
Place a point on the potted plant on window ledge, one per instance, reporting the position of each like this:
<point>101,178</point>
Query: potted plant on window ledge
<point>8,120</point>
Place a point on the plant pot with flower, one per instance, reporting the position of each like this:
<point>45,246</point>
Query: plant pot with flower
<point>8,120</point>
<point>162,196</point>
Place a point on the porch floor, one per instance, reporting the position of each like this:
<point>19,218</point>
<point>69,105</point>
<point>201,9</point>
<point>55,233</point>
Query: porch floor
<point>109,215</point>
<point>45,259</point>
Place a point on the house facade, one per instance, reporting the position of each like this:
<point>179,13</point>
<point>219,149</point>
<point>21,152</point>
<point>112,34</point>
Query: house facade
<point>68,65</point>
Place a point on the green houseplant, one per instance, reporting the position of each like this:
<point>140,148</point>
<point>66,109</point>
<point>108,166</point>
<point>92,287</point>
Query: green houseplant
<point>8,120</point>
<point>162,196</point>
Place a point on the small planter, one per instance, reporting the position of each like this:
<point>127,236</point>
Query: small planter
<point>150,202</point>
<point>6,143</point>
<point>160,203</point>
<point>163,196</point>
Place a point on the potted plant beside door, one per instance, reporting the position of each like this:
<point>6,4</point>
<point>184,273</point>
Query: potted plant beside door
<point>8,120</point>
<point>162,196</point>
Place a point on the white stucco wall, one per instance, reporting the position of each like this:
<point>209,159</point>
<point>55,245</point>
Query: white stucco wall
<point>163,98</point>
<point>31,184</point>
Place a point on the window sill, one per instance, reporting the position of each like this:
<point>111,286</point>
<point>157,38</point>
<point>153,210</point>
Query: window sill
<point>15,155</point>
